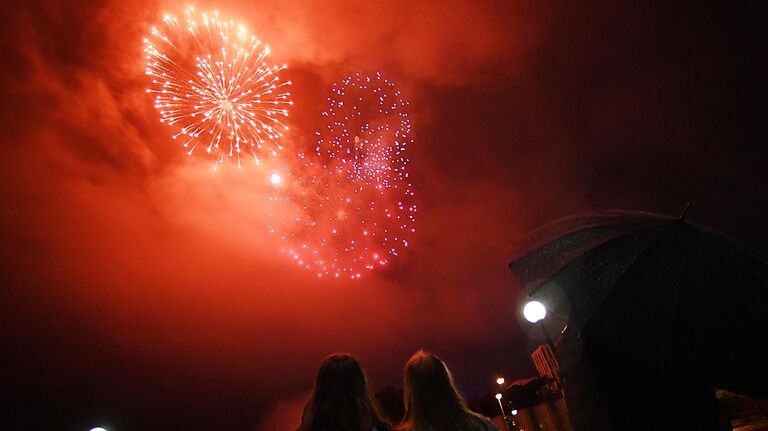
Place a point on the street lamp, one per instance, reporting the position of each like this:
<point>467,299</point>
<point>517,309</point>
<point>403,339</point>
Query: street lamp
<point>503,415</point>
<point>500,380</point>
<point>534,311</point>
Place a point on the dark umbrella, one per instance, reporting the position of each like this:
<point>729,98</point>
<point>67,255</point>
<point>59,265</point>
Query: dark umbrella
<point>657,292</point>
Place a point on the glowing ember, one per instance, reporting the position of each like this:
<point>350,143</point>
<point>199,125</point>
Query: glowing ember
<point>212,84</point>
<point>275,179</point>
<point>367,131</point>
<point>349,207</point>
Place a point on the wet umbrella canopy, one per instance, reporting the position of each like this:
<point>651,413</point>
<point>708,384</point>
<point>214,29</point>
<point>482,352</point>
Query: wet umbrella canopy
<point>657,293</point>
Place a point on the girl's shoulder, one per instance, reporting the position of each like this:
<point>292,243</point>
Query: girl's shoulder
<point>489,426</point>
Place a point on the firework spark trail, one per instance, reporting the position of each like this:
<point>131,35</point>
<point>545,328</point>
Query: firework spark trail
<point>349,207</point>
<point>212,84</point>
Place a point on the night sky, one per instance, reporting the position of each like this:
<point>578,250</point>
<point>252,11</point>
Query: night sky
<point>141,290</point>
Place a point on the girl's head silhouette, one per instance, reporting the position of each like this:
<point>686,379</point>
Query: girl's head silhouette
<point>341,399</point>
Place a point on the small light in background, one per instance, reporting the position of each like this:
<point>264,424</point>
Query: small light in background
<point>500,380</point>
<point>498,396</point>
<point>514,412</point>
<point>98,429</point>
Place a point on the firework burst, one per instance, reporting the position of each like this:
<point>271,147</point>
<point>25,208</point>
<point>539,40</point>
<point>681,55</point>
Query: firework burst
<point>367,131</point>
<point>212,84</point>
<point>349,207</point>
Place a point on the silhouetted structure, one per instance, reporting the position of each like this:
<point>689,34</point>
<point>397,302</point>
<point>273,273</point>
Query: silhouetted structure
<point>659,310</point>
<point>546,364</point>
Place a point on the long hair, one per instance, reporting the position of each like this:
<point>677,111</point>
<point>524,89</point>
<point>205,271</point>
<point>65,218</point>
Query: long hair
<point>341,400</point>
<point>432,402</point>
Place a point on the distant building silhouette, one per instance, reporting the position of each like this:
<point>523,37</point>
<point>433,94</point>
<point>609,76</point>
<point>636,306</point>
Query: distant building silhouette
<point>546,364</point>
<point>534,403</point>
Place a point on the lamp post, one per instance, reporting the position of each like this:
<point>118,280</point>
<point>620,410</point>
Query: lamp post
<point>503,415</point>
<point>535,312</point>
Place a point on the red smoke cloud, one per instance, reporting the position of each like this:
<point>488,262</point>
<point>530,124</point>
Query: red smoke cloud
<point>130,253</point>
<point>139,270</point>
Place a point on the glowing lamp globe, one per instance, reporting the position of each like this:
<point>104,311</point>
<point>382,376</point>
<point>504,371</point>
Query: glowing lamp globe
<point>514,412</point>
<point>534,311</point>
<point>275,179</point>
<point>500,380</point>
<point>98,429</point>
<point>498,396</point>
